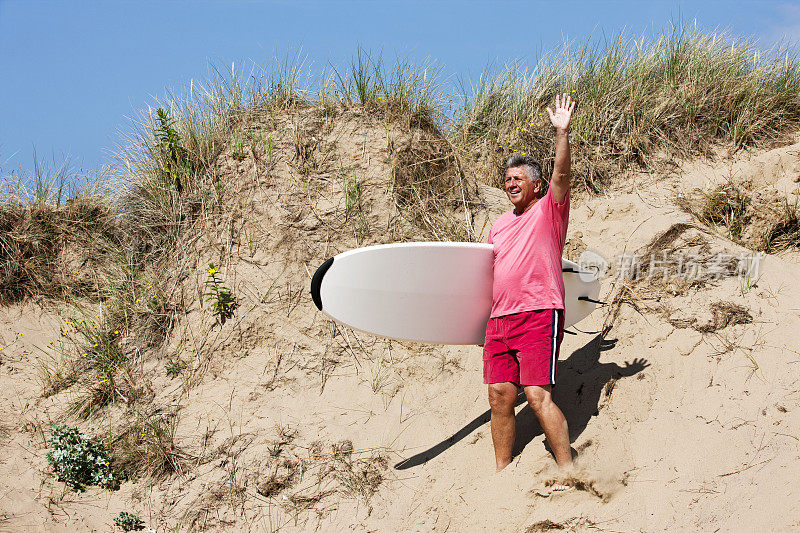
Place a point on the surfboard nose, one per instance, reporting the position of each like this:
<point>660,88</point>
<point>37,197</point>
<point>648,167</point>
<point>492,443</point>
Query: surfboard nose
<point>316,282</point>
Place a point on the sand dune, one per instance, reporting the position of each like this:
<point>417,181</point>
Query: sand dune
<point>683,397</point>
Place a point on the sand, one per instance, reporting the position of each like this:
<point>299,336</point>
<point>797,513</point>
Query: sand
<point>288,422</point>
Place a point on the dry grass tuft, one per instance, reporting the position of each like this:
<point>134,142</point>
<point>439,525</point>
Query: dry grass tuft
<point>726,314</point>
<point>57,371</point>
<point>148,447</point>
<point>401,92</point>
<point>723,314</point>
<point>784,230</point>
<point>282,475</point>
<point>623,295</point>
<point>57,252</point>
<point>357,477</point>
<point>572,524</point>
<point>725,205</point>
<point>761,220</point>
<point>544,525</point>
<point>431,190</point>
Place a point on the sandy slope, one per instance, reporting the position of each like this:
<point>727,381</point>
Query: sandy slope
<point>674,428</point>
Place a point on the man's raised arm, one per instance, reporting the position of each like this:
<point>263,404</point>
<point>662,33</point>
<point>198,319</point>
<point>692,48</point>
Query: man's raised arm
<point>560,118</point>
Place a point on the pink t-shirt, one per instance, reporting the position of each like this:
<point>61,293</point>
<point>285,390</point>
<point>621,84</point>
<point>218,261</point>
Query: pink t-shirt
<point>527,257</point>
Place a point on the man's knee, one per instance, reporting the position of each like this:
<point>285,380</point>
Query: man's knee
<point>538,396</point>
<point>502,396</point>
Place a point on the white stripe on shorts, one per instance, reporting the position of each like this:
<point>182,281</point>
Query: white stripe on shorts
<point>554,348</point>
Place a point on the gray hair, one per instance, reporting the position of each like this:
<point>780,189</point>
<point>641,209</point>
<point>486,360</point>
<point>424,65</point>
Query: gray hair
<point>531,165</point>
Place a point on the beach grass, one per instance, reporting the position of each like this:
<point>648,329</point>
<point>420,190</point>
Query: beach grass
<point>675,94</point>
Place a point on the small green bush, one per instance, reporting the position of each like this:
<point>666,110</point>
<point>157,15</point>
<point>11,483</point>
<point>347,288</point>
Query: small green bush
<point>174,159</point>
<point>129,522</point>
<point>76,460</point>
<point>222,300</point>
<point>174,367</point>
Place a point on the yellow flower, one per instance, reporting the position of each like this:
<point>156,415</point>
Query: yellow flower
<point>98,316</point>
<point>211,271</point>
<point>138,300</point>
<point>21,333</point>
<point>573,90</point>
<point>104,381</point>
<point>95,345</point>
<point>80,321</point>
<point>149,286</point>
<point>85,354</point>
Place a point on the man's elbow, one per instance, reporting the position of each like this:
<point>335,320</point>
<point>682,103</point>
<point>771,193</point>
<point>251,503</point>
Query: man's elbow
<point>560,180</point>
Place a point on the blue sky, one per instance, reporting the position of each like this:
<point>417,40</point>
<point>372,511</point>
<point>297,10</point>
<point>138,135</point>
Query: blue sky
<point>72,72</point>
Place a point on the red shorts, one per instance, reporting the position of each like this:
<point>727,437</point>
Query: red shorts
<point>523,348</point>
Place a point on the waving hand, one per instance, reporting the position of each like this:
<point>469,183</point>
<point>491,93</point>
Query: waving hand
<point>563,113</point>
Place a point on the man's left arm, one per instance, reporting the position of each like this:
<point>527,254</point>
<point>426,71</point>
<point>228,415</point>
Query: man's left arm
<point>560,118</point>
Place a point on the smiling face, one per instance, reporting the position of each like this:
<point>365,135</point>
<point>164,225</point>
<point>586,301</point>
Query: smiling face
<point>522,192</point>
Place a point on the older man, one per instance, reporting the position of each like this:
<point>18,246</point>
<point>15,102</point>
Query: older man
<point>524,332</point>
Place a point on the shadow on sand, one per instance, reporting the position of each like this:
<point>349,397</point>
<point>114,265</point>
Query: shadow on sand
<point>581,379</point>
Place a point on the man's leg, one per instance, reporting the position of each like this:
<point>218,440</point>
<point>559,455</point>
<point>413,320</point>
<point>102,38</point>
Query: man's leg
<point>552,421</point>
<point>502,397</point>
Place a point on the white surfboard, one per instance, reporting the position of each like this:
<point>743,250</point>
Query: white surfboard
<point>438,292</point>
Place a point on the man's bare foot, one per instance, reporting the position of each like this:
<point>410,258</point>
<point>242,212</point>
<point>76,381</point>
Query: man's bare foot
<point>558,488</point>
<point>553,490</point>
<point>502,464</point>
